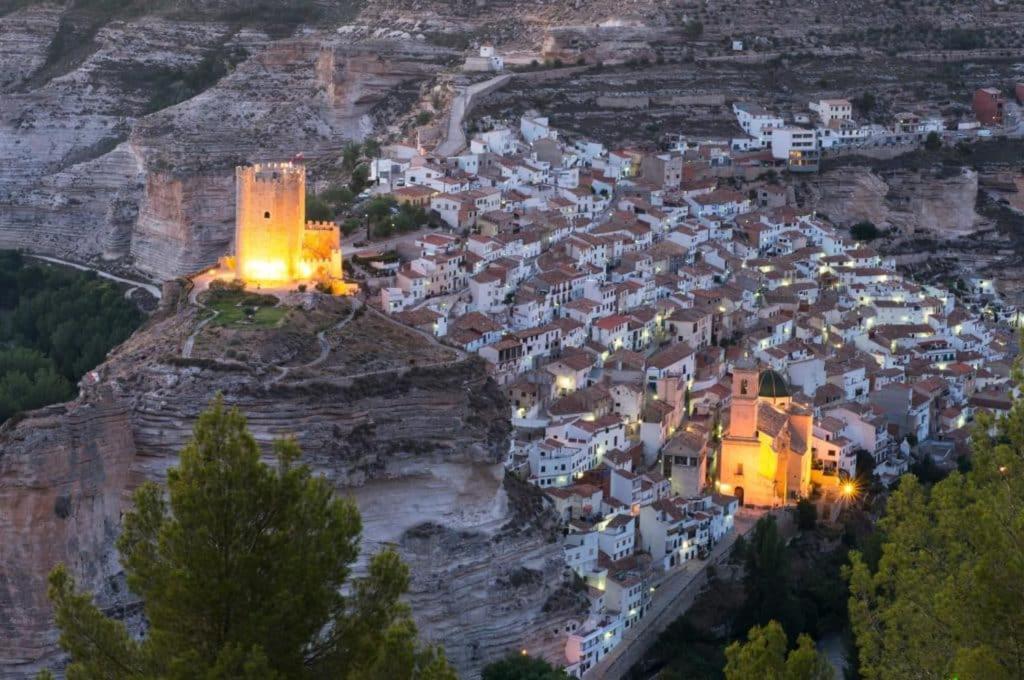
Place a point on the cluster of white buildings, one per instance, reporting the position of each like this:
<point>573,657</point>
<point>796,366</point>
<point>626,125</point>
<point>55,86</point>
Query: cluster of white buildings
<point>829,124</point>
<point>611,293</point>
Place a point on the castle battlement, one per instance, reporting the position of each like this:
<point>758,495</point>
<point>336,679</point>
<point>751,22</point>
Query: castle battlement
<point>312,225</point>
<point>282,171</point>
<point>318,261</point>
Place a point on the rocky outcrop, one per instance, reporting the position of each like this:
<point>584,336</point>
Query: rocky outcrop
<point>411,445</point>
<point>938,201</point>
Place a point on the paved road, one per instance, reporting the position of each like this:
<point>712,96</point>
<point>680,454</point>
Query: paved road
<point>675,594</point>
<point>456,139</point>
<point>150,288</point>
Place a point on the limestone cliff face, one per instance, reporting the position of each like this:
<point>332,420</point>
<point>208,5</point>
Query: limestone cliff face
<point>419,449</point>
<point>25,35</point>
<point>913,201</point>
<point>185,223</point>
<point>89,171</point>
<point>63,475</point>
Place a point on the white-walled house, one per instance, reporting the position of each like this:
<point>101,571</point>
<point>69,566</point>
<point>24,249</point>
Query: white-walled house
<point>757,121</point>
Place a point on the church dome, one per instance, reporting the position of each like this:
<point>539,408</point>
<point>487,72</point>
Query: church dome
<point>772,385</point>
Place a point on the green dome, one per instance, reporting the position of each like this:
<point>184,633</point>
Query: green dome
<point>772,385</point>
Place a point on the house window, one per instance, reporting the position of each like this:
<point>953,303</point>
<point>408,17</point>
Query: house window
<point>739,469</point>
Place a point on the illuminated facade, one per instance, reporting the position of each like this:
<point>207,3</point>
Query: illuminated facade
<point>766,453</point>
<point>274,244</point>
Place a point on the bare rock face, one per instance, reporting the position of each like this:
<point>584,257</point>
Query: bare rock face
<point>420,450</point>
<point>25,36</point>
<point>937,201</point>
<point>89,170</point>
<point>69,183</point>
<point>63,474</point>
<point>486,594</point>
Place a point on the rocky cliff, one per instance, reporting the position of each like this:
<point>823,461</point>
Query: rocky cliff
<point>64,471</point>
<point>98,161</point>
<point>938,202</point>
<point>420,449</point>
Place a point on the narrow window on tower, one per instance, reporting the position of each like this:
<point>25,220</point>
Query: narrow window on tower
<point>266,215</point>
<point>743,387</point>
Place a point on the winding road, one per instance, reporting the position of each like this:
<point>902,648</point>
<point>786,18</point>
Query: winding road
<point>150,288</point>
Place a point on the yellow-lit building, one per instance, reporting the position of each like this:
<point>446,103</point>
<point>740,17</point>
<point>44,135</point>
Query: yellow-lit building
<point>274,244</point>
<point>766,452</point>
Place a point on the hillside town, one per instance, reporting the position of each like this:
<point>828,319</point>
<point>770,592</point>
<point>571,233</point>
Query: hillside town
<point>679,342</point>
<point>512,339</point>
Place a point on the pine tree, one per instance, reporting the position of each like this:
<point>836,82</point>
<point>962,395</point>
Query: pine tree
<point>947,596</point>
<point>245,572</point>
<point>763,656</point>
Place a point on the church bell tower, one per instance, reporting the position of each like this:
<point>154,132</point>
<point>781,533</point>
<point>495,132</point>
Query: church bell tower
<point>743,414</point>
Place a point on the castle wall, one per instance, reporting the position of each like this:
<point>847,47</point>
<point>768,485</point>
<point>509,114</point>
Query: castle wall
<point>270,220</point>
<point>321,249</point>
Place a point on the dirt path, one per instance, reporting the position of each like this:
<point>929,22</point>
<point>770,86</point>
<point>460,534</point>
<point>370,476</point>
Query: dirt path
<point>325,345</point>
<point>190,341</point>
<point>322,336</point>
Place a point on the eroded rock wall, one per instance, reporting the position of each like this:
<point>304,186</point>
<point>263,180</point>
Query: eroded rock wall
<point>938,201</point>
<point>64,471</point>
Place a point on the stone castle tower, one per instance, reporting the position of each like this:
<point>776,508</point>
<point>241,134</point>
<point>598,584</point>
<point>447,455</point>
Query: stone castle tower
<point>270,220</point>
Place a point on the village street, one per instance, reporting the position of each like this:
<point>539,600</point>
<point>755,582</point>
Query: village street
<point>674,594</point>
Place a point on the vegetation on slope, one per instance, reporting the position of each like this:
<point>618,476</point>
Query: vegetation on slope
<point>55,324</point>
<point>944,599</point>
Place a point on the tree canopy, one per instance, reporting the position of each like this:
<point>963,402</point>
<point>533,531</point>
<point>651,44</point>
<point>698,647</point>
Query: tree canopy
<point>245,571</point>
<point>55,324</point>
<point>317,209</point>
<point>29,380</point>
<point>522,667</point>
<point>764,656</point>
<point>946,598</point>
<point>386,216</point>
<point>767,580</point>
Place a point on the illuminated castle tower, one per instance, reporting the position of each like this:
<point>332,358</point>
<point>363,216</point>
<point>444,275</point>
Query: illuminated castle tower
<point>270,219</point>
